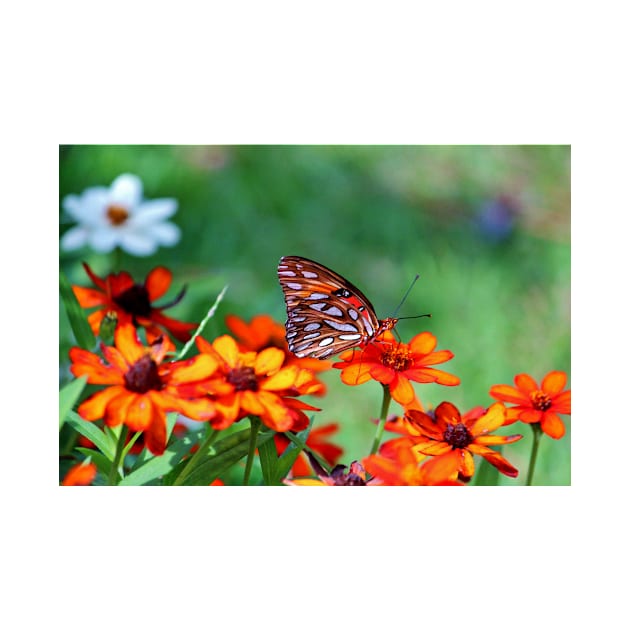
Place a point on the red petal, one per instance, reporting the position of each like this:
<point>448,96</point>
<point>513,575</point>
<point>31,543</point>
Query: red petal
<point>562,402</point>
<point>509,394</point>
<point>525,383</point>
<point>424,343</point>
<point>93,408</point>
<point>157,283</point>
<point>401,390</point>
<point>88,298</point>
<point>490,421</point>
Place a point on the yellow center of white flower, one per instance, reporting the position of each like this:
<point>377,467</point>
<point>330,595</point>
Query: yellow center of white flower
<point>117,215</point>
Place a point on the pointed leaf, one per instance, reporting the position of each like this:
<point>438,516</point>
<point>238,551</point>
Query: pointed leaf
<point>92,433</point>
<point>68,396</point>
<point>76,315</point>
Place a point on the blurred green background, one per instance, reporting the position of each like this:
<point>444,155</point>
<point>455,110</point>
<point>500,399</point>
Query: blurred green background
<point>487,228</point>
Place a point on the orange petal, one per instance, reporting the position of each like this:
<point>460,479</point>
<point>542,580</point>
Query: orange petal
<point>355,374</point>
<point>424,343</point>
<point>89,298</point>
<point>126,340</point>
<point>140,412</point>
<point>554,382</point>
<point>507,393</point>
<point>490,421</point>
<point>431,447</point>
<point>268,360</point>
<point>251,403</point>
<point>496,439</point>
<point>467,463</point>
<point>383,374</point>
<point>496,459</point>
<point>435,358</point>
<point>157,282</point>
<point>552,425</point>
<point>562,402</point>
<point>401,390</point>
<point>447,413</point>
<point>530,416</point>
<point>198,368</point>
<point>284,379</point>
<point>227,349</point>
<point>525,383</point>
<point>91,365</point>
<point>441,468</point>
<point>80,475</point>
<point>93,408</point>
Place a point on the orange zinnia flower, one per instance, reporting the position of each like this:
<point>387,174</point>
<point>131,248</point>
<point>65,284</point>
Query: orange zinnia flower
<point>455,439</point>
<point>80,475</point>
<point>142,387</point>
<point>395,364</point>
<point>318,441</point>
<point>537,404</point>
<point>133,302</point>
<point>256,383</point>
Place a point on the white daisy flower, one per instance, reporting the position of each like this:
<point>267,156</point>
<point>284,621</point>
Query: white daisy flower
<point>118,216</point>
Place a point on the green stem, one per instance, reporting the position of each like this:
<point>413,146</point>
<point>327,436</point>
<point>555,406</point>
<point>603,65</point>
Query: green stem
<point>112,480</point>
<point>387,398</point>
<point>196,456</point>
<point>537,431</point>
<point>253,438</point>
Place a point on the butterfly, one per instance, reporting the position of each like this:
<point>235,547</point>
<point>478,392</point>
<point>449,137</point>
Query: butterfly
<point>326,313</point>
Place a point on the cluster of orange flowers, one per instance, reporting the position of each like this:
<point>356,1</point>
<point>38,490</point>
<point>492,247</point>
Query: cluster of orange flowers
<point>252,373</point>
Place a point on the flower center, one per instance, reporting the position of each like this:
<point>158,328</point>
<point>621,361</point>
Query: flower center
<point>540,400</point>
<point>397,358</point>
<point>143,376</point>
<point>243,378</point>
<point>457,435</point>
<point>117,215</point>
<point>135,300</point>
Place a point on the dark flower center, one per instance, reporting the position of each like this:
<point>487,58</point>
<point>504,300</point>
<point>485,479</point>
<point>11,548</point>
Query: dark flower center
<point>397,359</point>
<point>143,376</point>
<point>540,400</point>
<point>135,300</point>
<point>457,435</point>
<point>117,215</point>
<point>243,378</point>
<point>338,475</point>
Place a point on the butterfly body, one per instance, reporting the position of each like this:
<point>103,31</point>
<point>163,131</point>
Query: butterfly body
<point>326,314</point>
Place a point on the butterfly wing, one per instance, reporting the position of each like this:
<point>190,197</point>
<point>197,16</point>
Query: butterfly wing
<point>326,313</point>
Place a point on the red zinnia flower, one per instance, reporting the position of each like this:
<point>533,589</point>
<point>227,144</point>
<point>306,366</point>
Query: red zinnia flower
<point>395,364</point>
<point>80,475</point>
<point>256,383</point>
<point>142,387</point>
<point>133,302</point>
<point>537,404</point>
<point>454,438</point>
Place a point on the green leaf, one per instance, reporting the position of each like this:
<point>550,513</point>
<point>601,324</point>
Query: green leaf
<point>268,456</point>
<point>92,433</point>
<point>68,396</point>
<point>102,463</point>
<point>227,452</point>
<point>202,325</point>
<point>160,465</point>
<point>76,315</point>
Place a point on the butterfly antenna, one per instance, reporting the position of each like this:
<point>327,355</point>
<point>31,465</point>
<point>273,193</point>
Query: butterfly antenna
<point>406,294</point>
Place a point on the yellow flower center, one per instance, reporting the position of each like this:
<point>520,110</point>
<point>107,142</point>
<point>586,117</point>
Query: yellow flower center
<point>243,378</point>
<point>117,215</point>
<point>540,400</point>
<point>143,375</point>
<point>398,359</point>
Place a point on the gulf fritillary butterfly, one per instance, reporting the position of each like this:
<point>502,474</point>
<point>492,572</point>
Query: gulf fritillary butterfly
<point>326,313</point>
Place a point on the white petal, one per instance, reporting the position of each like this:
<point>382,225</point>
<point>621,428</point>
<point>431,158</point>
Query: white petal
<point>153,211</point>
<point>126,190</point>
<point>90,207</point>
<point>165,233</point>
<point>103,240</point>
<point>74,238</point>
<point>137,244</point>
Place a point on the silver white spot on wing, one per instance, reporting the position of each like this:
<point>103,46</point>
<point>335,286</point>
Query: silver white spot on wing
<point>317,296</point>
<point>341,326</point>
<point>309,274</point>
<point>333,310</point>
<point>294,285</point>
<point>325,342</point>
<point>313,326</point>
<point>353,314</point>
<point>350,337</point>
